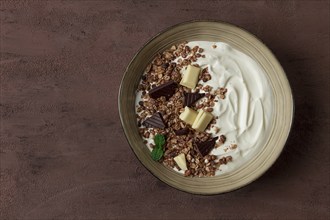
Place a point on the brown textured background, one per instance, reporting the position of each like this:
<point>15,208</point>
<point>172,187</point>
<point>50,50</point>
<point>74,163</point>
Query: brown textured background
<point>63,151</point>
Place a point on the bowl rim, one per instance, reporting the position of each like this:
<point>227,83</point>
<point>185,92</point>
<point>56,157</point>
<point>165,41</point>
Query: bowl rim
<point>292,101</point>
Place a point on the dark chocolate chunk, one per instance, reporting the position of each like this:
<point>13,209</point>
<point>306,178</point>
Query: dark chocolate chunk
<point>155,121</point>
<point>191,98</point>
<point>222,138</point>
<point>205,147</point>
<point>165,65</point>
<point>167,89</point>
<point>183,131</point>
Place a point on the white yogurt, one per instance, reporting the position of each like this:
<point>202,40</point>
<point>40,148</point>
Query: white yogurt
<point>244,116</point>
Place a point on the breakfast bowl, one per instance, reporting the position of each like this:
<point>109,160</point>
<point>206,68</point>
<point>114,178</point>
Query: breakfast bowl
<point>261,130</point>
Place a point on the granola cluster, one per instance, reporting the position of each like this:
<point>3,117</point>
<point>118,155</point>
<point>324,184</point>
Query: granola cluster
<point>166,67</point>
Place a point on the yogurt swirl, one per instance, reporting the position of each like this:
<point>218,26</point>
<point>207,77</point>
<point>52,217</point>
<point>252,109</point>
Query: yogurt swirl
<point>244,116</point>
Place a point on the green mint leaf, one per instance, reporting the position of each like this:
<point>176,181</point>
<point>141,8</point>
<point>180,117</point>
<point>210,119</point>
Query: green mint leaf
<point>159,140</point>
<point>157,153</point>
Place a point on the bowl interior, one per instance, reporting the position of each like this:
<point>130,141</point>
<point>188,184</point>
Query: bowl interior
<point>246,43</point>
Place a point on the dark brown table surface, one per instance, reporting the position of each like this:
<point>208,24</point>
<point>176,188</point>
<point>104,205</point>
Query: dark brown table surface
<point>63,151</point>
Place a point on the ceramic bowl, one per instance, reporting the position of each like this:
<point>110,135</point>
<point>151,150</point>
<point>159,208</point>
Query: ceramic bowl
<point>245,42</point>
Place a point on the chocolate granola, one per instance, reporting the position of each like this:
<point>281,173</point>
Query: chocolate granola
<point>163,99</point>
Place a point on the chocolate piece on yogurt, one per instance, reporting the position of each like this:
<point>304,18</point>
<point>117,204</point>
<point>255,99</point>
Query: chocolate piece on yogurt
<point>190,77</point>
<point>202,120</point>
<point>155,121</point>
<point>167,89</point>
<point>191,98</point>
<point>205,147</point>
<point>188,115</point>
<point>183,131</point>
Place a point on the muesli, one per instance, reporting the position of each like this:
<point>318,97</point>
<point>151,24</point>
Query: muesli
<point>180,104</point>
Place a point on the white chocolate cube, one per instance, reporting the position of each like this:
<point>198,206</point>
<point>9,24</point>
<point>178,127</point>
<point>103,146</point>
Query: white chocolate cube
<point>199,115</point>
<point>202,120</point>
<point>181,161</point>
<point>190,77</point>
<point>188,115</point>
